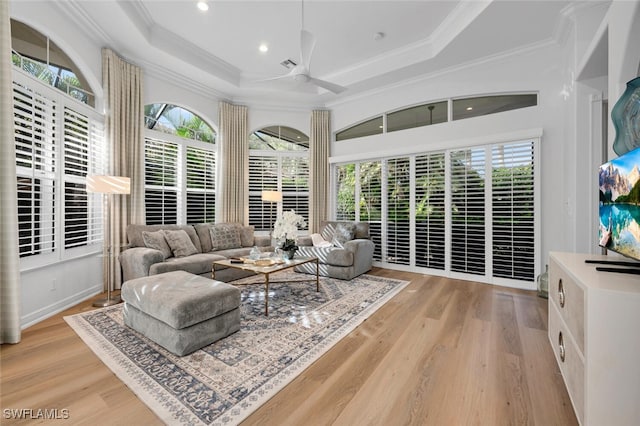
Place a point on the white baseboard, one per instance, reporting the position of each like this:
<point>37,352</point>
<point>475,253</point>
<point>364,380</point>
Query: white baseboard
<point>59,306</point>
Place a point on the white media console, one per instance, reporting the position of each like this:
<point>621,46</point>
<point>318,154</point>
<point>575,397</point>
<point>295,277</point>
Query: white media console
<point>594,329</point>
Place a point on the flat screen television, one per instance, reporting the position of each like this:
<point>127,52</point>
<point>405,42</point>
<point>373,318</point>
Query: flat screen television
<point>619,207</point>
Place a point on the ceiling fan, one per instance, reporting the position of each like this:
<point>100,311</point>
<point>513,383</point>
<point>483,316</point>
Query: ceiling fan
<point>300,72</point>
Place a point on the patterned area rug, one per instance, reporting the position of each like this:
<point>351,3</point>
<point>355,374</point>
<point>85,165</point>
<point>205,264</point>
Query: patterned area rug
<point>222,383</point>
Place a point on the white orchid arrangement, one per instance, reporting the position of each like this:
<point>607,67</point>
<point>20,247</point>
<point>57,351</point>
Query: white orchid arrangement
<point>286,228</point>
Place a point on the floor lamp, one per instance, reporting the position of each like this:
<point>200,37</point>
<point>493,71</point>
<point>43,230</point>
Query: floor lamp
<point>271,197</point>
<point>107,186</point>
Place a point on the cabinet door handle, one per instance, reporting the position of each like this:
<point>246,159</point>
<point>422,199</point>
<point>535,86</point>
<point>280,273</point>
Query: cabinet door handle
<point>561,293</point>
<point>561,346</point>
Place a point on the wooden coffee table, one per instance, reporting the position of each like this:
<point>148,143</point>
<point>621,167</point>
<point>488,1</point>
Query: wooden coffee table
<point>268,270</point>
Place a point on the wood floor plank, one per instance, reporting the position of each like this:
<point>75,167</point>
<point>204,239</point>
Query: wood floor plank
<point>442,351</point>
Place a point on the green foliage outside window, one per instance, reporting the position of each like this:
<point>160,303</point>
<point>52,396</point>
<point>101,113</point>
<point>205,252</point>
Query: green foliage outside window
<point>175,120</point>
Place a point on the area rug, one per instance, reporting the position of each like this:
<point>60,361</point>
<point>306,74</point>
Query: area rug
<point>223,383</point>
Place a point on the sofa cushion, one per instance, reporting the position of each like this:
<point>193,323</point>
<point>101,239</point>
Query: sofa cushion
<point>340,258</point>
<point>196,264</point>
<point>247,238</point>
<point>180,243</point>
<point>344,232</point>
<point>327,229</point>
<point>156,240</point>
<point>241,252</point>
<point>224,236</point>
<point>247,235</point>
<point>202,230</point>
<point>135,239</point>
<point>318,241</point>
<point>327,255</point>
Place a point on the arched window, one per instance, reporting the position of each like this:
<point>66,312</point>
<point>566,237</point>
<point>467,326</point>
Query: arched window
<point>58,143</point>
<point>174,120</point>
<point>180,166</point>
<point>37,55</point>
<point>278,161</point>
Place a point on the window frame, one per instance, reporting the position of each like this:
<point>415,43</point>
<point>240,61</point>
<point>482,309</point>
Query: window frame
<point>339,135</point>
<point>180,187</point>
<point>59,176</point>
<point>267,209</point>
<point>488,275</point>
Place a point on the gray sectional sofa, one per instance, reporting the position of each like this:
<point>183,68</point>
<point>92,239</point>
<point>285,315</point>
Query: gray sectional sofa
<point>155,249</point>
<point>350,253</point>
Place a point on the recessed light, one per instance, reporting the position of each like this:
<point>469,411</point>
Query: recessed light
<point>469,108</point>
<point>203,6</point>
<point>263,48</point>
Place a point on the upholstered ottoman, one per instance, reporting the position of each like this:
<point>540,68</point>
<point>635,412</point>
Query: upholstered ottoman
<point>180,311</point>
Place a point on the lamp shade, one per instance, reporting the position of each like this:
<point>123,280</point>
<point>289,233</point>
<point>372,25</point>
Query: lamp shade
<point>272,196</point>
<point>103,184</point>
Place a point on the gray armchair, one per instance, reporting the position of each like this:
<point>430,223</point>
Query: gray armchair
<point>350,255</point>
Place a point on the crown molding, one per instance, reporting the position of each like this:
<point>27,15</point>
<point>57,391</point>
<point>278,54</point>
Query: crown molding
<point>78,15</point>
<point>164,39</point>
<point>188,52</point>
<point>170,76</point>
<point>456,22</point>
<point>139,16</point>
<point>517,51</point>
<point>568,15</point>
<point>277,103</point>
<point>419,51</point>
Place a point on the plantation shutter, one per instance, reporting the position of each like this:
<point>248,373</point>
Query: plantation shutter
<point>201,177</point>
<point>295,186</point>
<point>161,181</point>
<point>370,205</point>
<point>35,126</point>
<point>513,210</point>
<point>83,154</point>
<point>263,175</point>
<point>468,211</point>
<point>398,211</point>
<point>430,211</point>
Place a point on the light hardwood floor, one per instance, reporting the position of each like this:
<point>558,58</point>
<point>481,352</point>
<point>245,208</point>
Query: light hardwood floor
<point>442,352</point>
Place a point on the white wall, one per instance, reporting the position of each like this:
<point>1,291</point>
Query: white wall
<point>542,70</point>
<point>624,55</point>
<point>51,289</point>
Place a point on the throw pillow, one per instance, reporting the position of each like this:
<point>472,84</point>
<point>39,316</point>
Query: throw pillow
<point>318,241</point>
<point>224,236</point>
<point>155,240</point>
<point>344,232</point>
<point>180,243</point>
<point>246,236</point>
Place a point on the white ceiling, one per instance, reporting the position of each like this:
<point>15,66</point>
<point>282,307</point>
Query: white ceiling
<point>218,49</point>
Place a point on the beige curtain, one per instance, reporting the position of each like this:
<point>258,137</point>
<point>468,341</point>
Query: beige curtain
<point>9,260</point>
<point>319,143</point>
<point>122,84</point>
<point>234,163</point>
